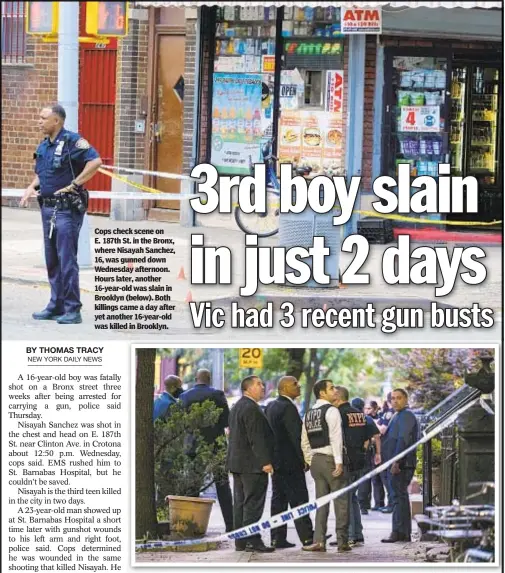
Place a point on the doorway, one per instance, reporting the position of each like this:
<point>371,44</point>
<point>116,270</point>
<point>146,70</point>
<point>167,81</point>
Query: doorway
<point>168,100</point>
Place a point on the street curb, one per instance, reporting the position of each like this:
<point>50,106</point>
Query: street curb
<point>331,301</point>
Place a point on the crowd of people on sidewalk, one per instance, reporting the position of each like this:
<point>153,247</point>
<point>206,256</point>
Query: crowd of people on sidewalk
<point>339,440</point>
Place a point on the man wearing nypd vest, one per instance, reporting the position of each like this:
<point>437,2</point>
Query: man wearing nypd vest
<point>357,432</point>
<point>322,447</point>
<point>64,161</point>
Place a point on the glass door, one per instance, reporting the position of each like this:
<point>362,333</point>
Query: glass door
<point>482,152</point>
<point>417,113</point>
<point>458,118</point>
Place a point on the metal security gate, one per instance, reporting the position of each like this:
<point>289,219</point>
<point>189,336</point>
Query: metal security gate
<point>97,97</point>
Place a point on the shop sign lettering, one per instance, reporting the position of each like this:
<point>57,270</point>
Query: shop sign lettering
<point>362,21</point>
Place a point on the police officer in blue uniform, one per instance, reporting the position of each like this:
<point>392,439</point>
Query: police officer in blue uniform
<point>402,432</point>
<point>64,161</point>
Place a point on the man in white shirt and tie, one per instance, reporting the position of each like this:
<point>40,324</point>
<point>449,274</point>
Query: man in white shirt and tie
<point>322,445</point>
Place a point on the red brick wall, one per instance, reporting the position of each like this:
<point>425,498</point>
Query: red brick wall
<point>26,88</point>
<point>369,104</point>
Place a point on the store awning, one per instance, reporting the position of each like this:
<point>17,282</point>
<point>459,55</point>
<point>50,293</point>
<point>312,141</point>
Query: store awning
<point>465,4</point>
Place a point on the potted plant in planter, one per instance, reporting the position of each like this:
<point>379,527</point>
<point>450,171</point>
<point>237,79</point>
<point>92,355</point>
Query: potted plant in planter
<point>185,465</point>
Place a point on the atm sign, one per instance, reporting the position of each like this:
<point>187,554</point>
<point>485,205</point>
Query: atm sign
<point>361,21</point>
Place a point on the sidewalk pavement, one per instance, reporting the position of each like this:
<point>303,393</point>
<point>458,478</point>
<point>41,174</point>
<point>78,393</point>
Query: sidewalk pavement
<point>23,261</point>
<point>376,526</point>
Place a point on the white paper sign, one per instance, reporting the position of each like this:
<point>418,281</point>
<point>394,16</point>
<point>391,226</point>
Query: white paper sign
<point>417,118</point>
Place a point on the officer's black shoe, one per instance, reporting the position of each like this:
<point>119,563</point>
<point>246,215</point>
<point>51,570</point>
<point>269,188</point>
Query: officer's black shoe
<point>386,509</point>
<point>47,315</point>
<point>283,544</point>
<point>395,537</point>
<point>259,547</point>
<point>70,318</point>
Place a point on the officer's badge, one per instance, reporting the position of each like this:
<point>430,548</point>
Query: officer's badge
<point>82,143</point>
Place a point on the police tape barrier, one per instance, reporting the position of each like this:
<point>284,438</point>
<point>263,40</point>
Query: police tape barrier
<point>162,174</point>
<point>428,221</point>
<point>306,508</point>
<point>152,194</point>
<point>150,190</point>
<point>155,196</point>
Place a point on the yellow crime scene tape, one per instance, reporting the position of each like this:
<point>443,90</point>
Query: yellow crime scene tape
<point>360,212</point>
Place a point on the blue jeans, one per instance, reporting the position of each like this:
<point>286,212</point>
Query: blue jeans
<point>399,483</point>
<point>61,259</point>
<point>355,525</point>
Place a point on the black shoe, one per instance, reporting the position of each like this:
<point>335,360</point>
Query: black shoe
<point>378,507</point>
<point>240,546</point>
<point>395,537</point>
<point>364,512</point>
<point>386,509</point>
<point>259,547</point>
<point>70,318</point>
<point>283,544</point>
<point>47,315</point>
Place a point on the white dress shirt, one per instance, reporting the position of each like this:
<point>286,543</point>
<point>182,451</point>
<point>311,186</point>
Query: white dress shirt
<point>334,421</point>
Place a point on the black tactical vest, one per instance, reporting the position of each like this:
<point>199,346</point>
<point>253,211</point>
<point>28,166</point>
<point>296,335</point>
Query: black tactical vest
<point>355,435</point>
<point>317,427</point>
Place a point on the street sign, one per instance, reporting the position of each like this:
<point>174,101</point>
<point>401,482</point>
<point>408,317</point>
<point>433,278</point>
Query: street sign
<point>107,19</point>
<point>250,358</point>
<point>42,18</point>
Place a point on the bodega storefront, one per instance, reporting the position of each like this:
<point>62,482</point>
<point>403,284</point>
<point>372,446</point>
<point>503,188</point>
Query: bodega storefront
<point>277,74</point>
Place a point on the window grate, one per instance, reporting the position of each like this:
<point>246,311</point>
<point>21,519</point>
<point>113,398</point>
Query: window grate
<point>13,32</point>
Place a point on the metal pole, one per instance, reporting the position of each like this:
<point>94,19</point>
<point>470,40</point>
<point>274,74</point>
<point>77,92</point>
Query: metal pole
<point>68,95</point>
<point>355,112</point>
<point>218,368</point>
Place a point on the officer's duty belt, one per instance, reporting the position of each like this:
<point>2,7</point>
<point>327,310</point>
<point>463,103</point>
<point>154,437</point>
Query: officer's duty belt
<point>60,202</point>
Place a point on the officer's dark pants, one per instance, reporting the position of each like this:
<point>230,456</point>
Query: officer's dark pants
<point>249,493</point>
<point>321,469</point>
<point>384,477</point>
<point>402,519</point>
<point>290,488</point>
<point>61,259</point>
<point>378,486</point>
<point>355,526</point>
<point>224,497</point>
<point>365,491</point>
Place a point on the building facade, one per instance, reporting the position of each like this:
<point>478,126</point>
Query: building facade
<point>339,88</point>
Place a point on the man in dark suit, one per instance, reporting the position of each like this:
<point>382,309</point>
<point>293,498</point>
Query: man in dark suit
<point>402,432</point>
<point>250,459</point>
<point>201,391</point>
<point>288,480</point>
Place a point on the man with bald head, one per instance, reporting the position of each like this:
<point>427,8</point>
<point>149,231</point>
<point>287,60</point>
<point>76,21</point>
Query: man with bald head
<point>288,480</point>
<point>173,389</point>
<point>199,393</point>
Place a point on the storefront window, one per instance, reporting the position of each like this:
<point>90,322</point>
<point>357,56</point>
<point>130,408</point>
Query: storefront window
<point>418,114</point>
<point>243,79</point>
<point>312,90</point>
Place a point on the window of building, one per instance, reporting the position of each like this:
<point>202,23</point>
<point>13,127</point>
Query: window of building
<point>13,32</point>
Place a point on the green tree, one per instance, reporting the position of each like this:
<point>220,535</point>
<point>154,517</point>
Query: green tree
<point>430,374</point>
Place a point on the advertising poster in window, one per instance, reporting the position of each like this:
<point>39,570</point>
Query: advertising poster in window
<point>236,122</point>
